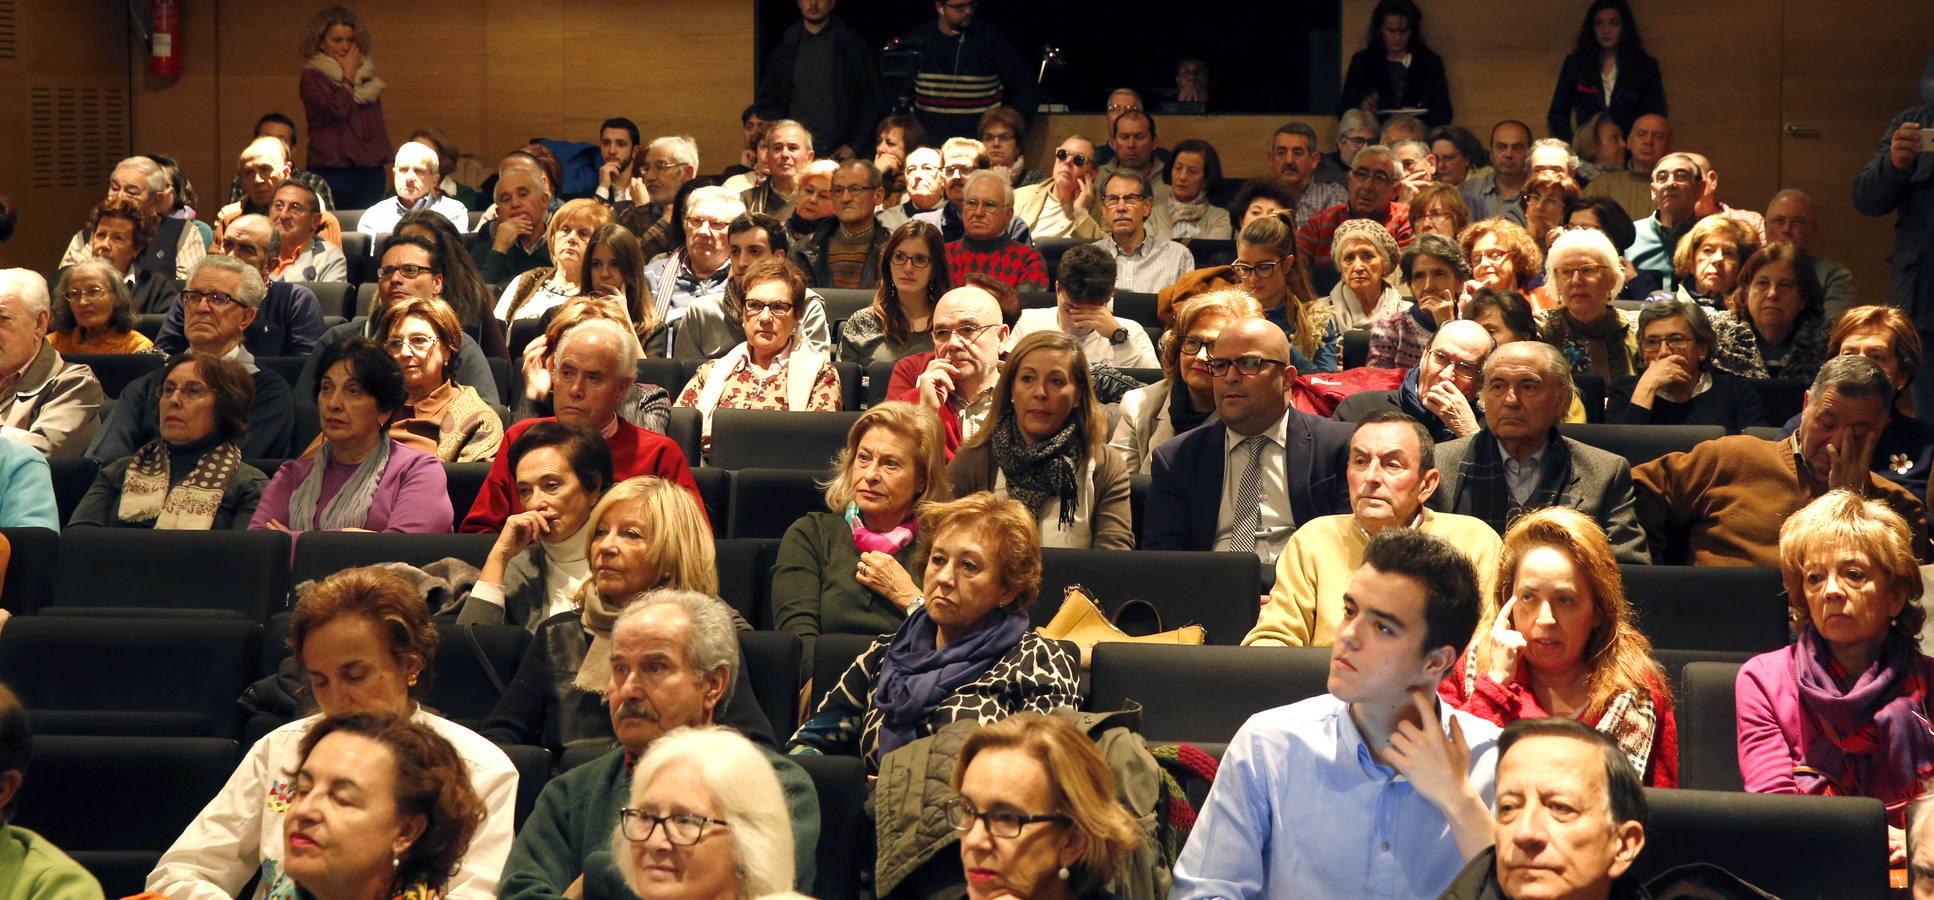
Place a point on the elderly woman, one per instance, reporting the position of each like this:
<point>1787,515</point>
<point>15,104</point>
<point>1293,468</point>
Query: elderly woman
<point>1557,639</point>
<point>966,653</point>
<point>614,266</point>
<point>845,571</point>
<point>1679,385</point>
<point>1779,328</point>
<point>363,640</point>
<point>772,369</point>
<point>1044,800</point>
<point>1438,208</point>
<point>1261,197</point>
<point>1271,267</point>
<point>299,251</point>
<point>1004,133</point>
<point>1544,200</point>
<point>813,202</point>
<point>540,290</point>
<point>1193,167</point>
<point>1841,710</point>
<point>1436,272</point>
<point>361,478</point>
<point>343,100</point>
<point>1365,255</point>
<point>449,420</point>
<point>1185,397</point>
<point>706,819</point>
<point>541,556</point>
<point>647,406</point>
<point>1706,263</point>
<point>913,275</point>
<point>1046,446</point>
<point>191,477</point>
<point>1503,256</point>
<point>1583,267</point>
<point>94,311</point>
<point>118,231</point>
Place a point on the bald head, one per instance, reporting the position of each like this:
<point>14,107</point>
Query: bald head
<point>1251,404</point>
<point>974,302</point>
<point>1257,334</point>
<point>248,239</point>
<point>415,171</point>
<point>976,358</point>
<point>264,163</point>
<point>1463,346</point>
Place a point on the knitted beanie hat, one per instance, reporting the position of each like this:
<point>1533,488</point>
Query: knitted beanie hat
<point>1367,230</point>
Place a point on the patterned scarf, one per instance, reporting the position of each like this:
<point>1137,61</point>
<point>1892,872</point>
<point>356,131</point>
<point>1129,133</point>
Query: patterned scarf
<point>1042,472</point>
<point>1488,490</point>
<point>1598,347</point>
<point>869,541</point>
<point>1185,216</point>
<point>916,675</point>
<point>1873,737</point>
<point>188,506</point>
<point>350,507</point>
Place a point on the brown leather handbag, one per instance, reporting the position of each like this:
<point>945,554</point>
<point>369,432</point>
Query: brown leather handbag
<point>1080,620</point>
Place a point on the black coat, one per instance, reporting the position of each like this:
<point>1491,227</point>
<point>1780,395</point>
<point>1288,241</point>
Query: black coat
<point>1424,85</point>
<point>1579,96</point>
<point>856,81</point>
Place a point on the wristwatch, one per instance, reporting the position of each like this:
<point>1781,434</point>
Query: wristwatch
<point>916,604</point>
<point>1119,337</point>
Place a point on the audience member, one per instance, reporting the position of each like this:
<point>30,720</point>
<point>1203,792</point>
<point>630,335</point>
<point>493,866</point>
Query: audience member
<point>1594,337</point>
<point>45,402</point>
<point>714,324</point>
<point>985,245</point>
<point>119,233</point>
<point>1355,130</point>
<point>463,285</point>
<point>1904,453</point>
<point>620,159</point>
<point>1414,161</point>
<point>772,368</point>
<point>1898,179</point>
<point>956,380</point>
<point>1396,69</point>
<point>416,176</point>
<point>94,311</point>
<point>172,246</point>
<point>289,320</point>
<point>745,170</point>
<point>26,491</point>
<point>1679,385</point>
<point>813,204</point>
<point>700,266</point>
<point>513,236</point>
<point>1706,263</point>
<point>911,277</point>
<point>669,163</point>
<point>540,290</point>
<point>1259,197</point>
<point>1599,146</point>
<point>1003,132</point>
<point>1456,153</point>
<point>1366,255</point>
<point>342,98</point>
<point>409,266</point>
<point>1441,391</point>
<point>264,165</point>
<point>965,68</point>
<point>846,250</point>
<point>1520,462</point>
<point>1604,214</point>
<point>1438,208</point>
<point>282,128</point>
<point>896,137</point>
<point>450,421</point>
<point>1294,160</point>
<point>1047,448</point>
<point>1436,272</point>
<point>540,558</point>
<point>1400,127</point>
<point>363,643</point>
<point>961,157</point>
<point>1543,202</point>
<point>1373,191</point>
<point>36,869</point>
<point>1131,135</point>
<point>1709,203</point>
<point>965,652</point>
<point>1505,315</point>
<point>1494,194</point>
<point>647,406</point>
<point>191,477</point>
<point>298,251</point>
<point>784,154</point>
<point>1194,169</point>
<point>1608,72</point>
<point>1242,483</point>
<point>925,192</point>
<point>1503,257</point>
<point>614,271</point>
<point>1185,397</point>
<point>1063,204</point>
<point>822,74</point>
<point>1146,259</point>
<point>1407,612</point>
<point>1676,185</point>
<point>1778,328</point>
<point>1392,471</point>
<point>1724,500</point>
<point>1790,218</point>
<point>1648,140</point>
<point>1271,267</point>
<point>1084,309</point>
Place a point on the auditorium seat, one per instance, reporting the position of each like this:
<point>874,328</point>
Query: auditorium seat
<point>1708,608</point>
<point>473,664</point>
<point>1052,248</point>
<point>1764,432</point>
<point>845,848</point>
<point>290,368</point>
<point>356,253</point>
<point>72,476</point>
<point>533,773</point>
<point>1785,844</point>
<point>464,481</point>
<point>334,298</point>
<point>114,676</point>
<point>149,324</point>
<point>1138,306</point>
<point>745,577</point>
<point>1212,252</point>
<point>1219,591</point>
<point>666,373</point>
<point>1674,663</point>
<point>1356,348</point>
<point>879,376</point>
<point>30,569</point>
<point>765,502</point>
<point>842,303</point>
<point>116,370</point>
<point>1640,444</point>
<point>686,428</point>
<point>833,654</point>
<point>772,666</point>
<point>1138,500</point>
<point>348,218</point>
<point>1201,695</point>
<point>1708,728</point>
<point>776,439</point>
<point>715,491</point>
<point>241,573</point>
<point>323,553</point>
<point>1782,397</point>
<point>1591,394</point>
<point>521,332</point>
<point>365,293</point>
<point>852,385</point>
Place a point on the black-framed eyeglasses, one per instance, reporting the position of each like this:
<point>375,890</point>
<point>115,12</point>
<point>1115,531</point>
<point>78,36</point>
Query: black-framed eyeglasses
<point>1463,367</point>
<point>682,829</point>
<point>1000,823</point>
<point>409,270</point>
<point>757,308</point>
<point>1194,345</point>
<point>217,299</point>
<point>967,333</point>
<point>1261,270</point>
<point>1080,160</point>
<point>1120,199</point>
<point>904,259</point>
<point>1249,366</point>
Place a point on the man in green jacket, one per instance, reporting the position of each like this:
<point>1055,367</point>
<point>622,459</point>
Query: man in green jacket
<point>31,868</point>
<point>673,662</point>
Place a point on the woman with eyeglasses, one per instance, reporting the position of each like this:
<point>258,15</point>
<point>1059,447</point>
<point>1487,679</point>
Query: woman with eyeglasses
<point>442,417</point>
<point>1185,397</point>
<point>1503,258</point>
<point>706,819</point>
<point>1544,200</point>
<point>94,311</point>
<point>1679,385</point>
<point>772,368</point>
<point>1270,266</point>
<point>1706,263</point>
<point>118,232</point>
<point>913,275</point>
<point>1438,208</point>
<point>1004,133</point>
<point>1595,337</point>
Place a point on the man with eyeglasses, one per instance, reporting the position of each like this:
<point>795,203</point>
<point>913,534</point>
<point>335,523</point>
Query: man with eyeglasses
<point>289,321</point>
<point>176,245</point>
<point>416,176</point>
<point>1132,136</point>
<point>1441,391</point>
<point>703,265</point>
<point>1245,482</point>
<point>298,252</point>
<point>646,208</point>
<point>223,296</point>
<point>959,158</point>
<point>262,167</point>
<point>674,663</point>
<point>966,68</point>
<point>1790,217</point>
<point>46,402</point>
<point>1063,205</point>
<point>1631,187</point>
<point>1496,193</point>
<point>786,152</point>
<point>1374,177</point>
<point>1678,181</point>
<point>822,74</point>
<point>986,244</point>
<point>1145,261</point>
<point>1084,309</point>
<point>1355,130</point>
<point>844,252</point>
<point>956,379</point>
<point>1294,159</point>
<point>1418,165</point>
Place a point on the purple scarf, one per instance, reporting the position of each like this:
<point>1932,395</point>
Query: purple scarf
<point>915,676</point>
<point>890,543</point>
<point>1872,739</point>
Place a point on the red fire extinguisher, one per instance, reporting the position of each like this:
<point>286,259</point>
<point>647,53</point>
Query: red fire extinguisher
<point>165,47</point>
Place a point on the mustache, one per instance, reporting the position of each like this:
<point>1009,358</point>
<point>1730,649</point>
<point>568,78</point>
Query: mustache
<point>637,709</point>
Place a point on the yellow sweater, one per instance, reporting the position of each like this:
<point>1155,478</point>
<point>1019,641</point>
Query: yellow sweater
<point>1316,566</point>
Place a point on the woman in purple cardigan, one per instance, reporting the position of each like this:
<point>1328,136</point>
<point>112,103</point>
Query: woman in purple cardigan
<point>360,479</point>
<point>342,97</point>
<point>1843,711</point>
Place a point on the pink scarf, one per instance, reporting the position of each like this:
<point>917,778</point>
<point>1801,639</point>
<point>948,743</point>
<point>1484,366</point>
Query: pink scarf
<point>890,543</point>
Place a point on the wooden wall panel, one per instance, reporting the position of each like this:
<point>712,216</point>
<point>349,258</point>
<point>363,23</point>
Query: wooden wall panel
<point>46,56</point>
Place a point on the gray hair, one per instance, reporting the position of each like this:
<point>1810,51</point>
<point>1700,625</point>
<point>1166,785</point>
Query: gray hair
<point>715,194</point>
<point>116,285</point>
<point>714,642</point>
<point>746,792</point>
<point>1142,185</point>
<point>1390,163</point>
<point>805,141</point>
<point>1557,368</point>
<point>1000,178</point>
<point>30,288</point>
<point>1851,375</point>
<point>1410,144</point>
<point>626,342</point>
<point>253,288</point>
<point>1696,320</point>
<point>1355,120</point>
<point>1571,159</point>
<point>1589,241</point>
<point>682,148</point>
<point>1406,122</point>
<point>149,169</point>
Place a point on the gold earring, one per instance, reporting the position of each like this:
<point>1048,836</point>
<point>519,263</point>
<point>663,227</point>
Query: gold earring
<point>412,681</point>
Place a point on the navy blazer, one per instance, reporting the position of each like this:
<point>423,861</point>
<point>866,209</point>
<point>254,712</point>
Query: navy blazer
<point>1579,94</point>
<point>1185,490</point>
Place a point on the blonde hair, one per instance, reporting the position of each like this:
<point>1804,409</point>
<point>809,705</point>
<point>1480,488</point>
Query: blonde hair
<point>1842,519</point>
<point>908,420</point>
<point>1744,239</point>
<point>319,25</point>
<point>745,792</point>
<point>1094,420</point>
<point>1083,786</point>
<point>1230,302</point>
<point>679,548</point>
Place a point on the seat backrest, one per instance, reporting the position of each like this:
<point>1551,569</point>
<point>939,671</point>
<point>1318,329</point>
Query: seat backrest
<point>115,370</point>
<point>461,688</point>
<point>852,387</point>
<point>833,654</point>
<point>1591,395</point>
<point>842,303</point>
<point>243,572</point>
<point>72,475</point>
<point>355,251</point>
<point>1763,432</point>
<point>1708,608</point>
<point>666,373</point>
<point>533,772</point>
<point>464,481</point>
<point>1788,845</point>
<point>365,295</point>
<point>88,675</point>
<point>745,577</point>
<point>845,829</point>
<point>1356,348</point>
<point>30,569</point>
<point>348,218</point>
<point>1782,397</point>
<point>1052,248</point>
<point>778,439</point>
<point>715,491</point>
<point>765,502</point>
<point>879,376</point>
<point>1641,444</point>
<point>686,428</point>
<point>1213,252</point>
<point>86,793</point>
<point>1674,663</point>
<point>334,298</point>
<point>1138,306</point>
<point>323,553</point>
<point>1202,694</point>
<point>1219,591</point>
<point>289,367</point>
<point>1709,727</point>
<point>771,661</point>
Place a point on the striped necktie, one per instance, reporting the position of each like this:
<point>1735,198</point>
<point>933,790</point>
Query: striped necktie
<point>1248,505</point>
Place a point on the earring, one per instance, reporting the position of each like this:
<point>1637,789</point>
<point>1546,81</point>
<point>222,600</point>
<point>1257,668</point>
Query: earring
<point>412,681</point>
<point>396,861</point>
<point>1063,874</point>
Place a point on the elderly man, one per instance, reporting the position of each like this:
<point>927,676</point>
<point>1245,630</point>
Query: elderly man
<point>1374,178</point>
<point>1519,461</point>
<point>1496,194</point>
<point>1724,500</point>
<point>956,379</point>
<point>1146,260</point>
<point>1063,205</point>
<point>985,245</point>
<point>787,150</point>
<point>1441,390</point>
<point>1245,482</point>
<point>960,158</point>
<point>703,265</point>
<point>1678,181</point>
<point>1631,187</point>
<point>408,265</point>
<point>1790,218</point>
<point>176,245</point>
<point>1570,818</point>
<point>1419,167</point>
<point>669,162</point>
<point>675,663</point>
<point>1132,137</point>
<point>299,252</point>
<point>1294,160</point>
<point>513,238</point>
<point>822,73</point>
<point>263,166</point>
<point>926,192</point>
<point>1355,130</point>
<point>844,252</point>
<point>1084,309</point>
<point>289,321</point>
<point>593,368</point>
<point>965,69</point>
<point>1549,155</point>
<point>281,127</point>
<point>34,868</point>
<point>1393,470</point>
<point>223,296</point>
<point>416,174</point>
<point>45,402</point>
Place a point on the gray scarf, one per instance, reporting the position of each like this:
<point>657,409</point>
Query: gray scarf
<point>350,507</point>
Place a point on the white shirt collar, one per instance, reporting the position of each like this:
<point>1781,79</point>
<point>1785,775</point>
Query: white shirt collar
<point>1277,433</point>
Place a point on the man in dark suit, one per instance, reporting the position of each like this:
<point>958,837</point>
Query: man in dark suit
<point>1520,462</point>
<point>1245,482</point>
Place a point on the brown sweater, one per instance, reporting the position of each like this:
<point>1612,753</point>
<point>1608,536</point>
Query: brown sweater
<point>1729,496</point>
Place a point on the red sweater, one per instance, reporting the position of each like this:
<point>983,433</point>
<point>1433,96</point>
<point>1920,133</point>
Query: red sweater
<point>905,385</point>
<point>634,452</point>
<point>1507,703</point>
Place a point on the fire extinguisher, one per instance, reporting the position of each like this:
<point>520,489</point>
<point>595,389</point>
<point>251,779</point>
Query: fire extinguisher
<point>165,47</point>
